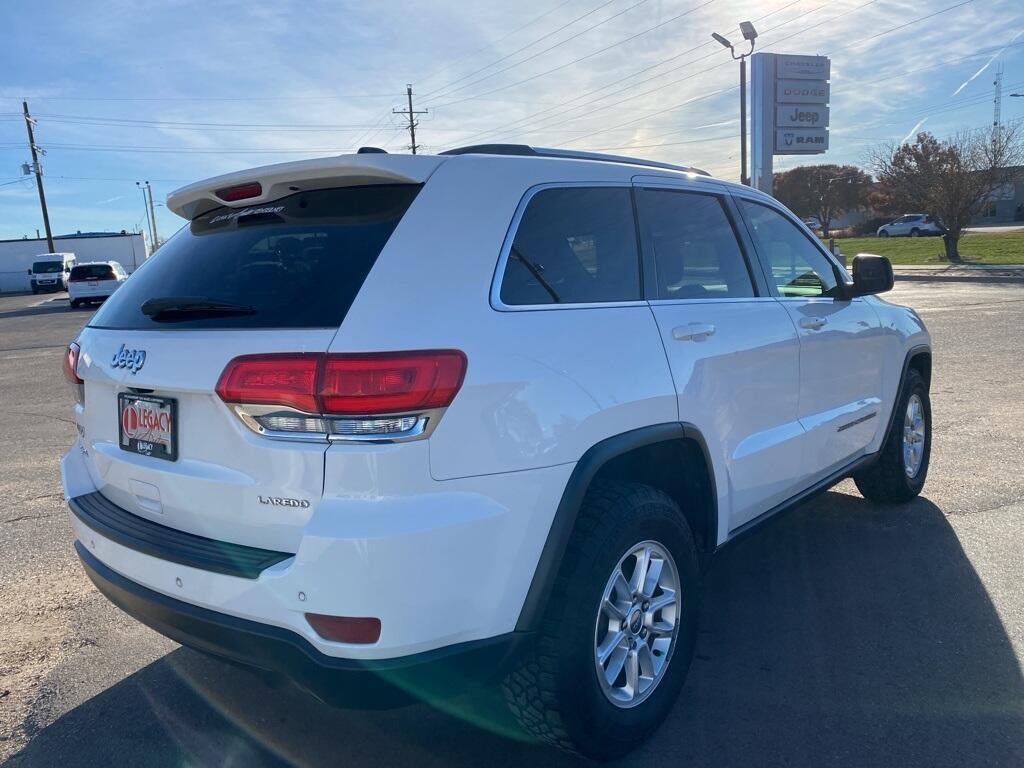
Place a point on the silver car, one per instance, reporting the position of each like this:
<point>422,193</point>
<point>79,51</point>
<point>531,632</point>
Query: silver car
<point>911,225</point>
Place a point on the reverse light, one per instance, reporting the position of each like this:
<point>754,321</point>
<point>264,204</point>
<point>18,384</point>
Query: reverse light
<point>240,192</point>
<point>345,629</point>
<point>71,355</point>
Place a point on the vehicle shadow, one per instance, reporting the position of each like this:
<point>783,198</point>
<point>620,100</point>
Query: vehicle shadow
<point>844,634</point>
<point>49,307</point>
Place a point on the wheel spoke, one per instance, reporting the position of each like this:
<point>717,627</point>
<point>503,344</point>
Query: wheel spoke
<point>621,587</point>
<point>643,561</point>
<point>665,599</point>
<point>632,673</point>
<point>613,610</point>
<point>615,664</point>
<point>653,576</point>
<point>612,641</point>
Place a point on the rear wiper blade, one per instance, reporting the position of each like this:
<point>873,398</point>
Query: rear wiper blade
<point>193,305</point>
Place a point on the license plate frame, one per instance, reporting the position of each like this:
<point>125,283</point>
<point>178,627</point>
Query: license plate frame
<point>131,432</point>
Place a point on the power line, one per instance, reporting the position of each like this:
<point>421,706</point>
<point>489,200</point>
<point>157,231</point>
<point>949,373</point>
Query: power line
<point>574,61</point>
<point>520,50</point>
<point>556,111</point>
<point>546,50</point>
<point>504,37</point>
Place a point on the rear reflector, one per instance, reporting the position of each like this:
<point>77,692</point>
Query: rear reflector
<point>345,629</point>
<point>343,385</point>
<point>241,192</point>
<point>71,355</point>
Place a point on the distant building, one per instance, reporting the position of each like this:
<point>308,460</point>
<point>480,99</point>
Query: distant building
<point>1007,203</point>
<point>16,256</point>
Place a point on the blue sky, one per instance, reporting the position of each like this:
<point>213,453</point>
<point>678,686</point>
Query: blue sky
<point>173,90</point>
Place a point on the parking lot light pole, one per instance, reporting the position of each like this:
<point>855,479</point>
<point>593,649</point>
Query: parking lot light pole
<point>750,35</point>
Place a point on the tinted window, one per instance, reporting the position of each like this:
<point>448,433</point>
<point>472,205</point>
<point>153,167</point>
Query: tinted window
<point>574,245</point>
<point>298,262</point>
<point>694,244</point>
<point>798,268</point>
<point>47,267</point>
<point>94,271</point>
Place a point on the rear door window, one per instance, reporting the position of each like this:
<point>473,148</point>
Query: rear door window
<point>297,262</point>
<point>574,245</point>
<point>694,246</point>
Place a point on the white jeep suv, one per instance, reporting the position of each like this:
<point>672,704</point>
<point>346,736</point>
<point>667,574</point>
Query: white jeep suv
<point>392,423</point>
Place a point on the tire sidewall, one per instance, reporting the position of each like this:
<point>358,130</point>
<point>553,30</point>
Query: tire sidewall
<point>915,386</point>
<point>610,729</point>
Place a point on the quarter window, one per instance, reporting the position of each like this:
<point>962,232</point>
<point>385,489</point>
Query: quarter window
<point>574,245</point>
<point>694,245</point>
<point>797,267</point>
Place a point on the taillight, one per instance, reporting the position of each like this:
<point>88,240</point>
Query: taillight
<point>287,380</point>
<point>390,383</point>
<point>241,192</point>
<point>347,396</point>
<point>71,355</point>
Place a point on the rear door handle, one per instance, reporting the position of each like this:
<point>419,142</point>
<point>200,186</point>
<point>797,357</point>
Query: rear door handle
<point>693,331</point>
<point>813,323</point>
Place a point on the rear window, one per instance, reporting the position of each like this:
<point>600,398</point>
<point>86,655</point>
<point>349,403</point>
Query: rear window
<point>297,262</point>
<point>46,267</point>
<point>88,271</point>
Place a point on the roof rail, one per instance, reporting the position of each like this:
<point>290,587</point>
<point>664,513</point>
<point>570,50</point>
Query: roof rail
<point>524,150</point>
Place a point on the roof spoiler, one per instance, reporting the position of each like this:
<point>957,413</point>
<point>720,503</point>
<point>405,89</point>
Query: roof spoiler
<point>272,182</point>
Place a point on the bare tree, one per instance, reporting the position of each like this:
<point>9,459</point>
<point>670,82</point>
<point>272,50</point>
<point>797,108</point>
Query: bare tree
<point>953,179</point>
<point>825,191</point>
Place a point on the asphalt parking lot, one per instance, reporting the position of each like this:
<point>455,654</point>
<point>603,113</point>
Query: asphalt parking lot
<point>843,635</point>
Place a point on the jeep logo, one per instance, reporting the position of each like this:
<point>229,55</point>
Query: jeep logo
<point>132,359</point>
<point>801,116</point>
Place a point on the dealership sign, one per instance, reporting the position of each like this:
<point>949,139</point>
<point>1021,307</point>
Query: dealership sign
<point>790,113</point>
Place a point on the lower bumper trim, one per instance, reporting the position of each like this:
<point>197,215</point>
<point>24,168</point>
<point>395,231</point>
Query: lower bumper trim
<point>340,682</point>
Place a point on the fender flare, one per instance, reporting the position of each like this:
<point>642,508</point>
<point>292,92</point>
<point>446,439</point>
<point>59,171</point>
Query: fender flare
<point>568,508</point>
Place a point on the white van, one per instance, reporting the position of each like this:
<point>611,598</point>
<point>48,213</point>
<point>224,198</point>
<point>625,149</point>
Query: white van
<point>50,271</point>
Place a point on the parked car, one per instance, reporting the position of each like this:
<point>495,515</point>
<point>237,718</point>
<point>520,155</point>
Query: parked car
<point>50,272</point>
<point>94,281</point>
<point>911,225</point>
<point>391,423</point>
<point>813,223</point>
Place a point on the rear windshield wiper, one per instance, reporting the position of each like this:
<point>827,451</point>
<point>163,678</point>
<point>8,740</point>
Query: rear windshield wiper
<point>535,270</point>
<point>187,307</point>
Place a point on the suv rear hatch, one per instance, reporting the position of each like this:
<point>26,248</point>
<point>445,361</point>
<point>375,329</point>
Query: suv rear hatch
<point>277,277</point>
<point>93,280</point>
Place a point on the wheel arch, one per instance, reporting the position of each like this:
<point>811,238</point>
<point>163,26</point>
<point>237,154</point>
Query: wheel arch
<point>640,455</point>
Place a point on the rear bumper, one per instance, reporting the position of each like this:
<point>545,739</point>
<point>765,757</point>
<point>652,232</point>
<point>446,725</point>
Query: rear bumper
<point>337,681</point>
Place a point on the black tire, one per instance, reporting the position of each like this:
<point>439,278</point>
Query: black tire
<point>886,481</point>
<point>884,233</point>
<point>554,690</point>
<point>35,291</point>
<point>74,303</point>
<point>915,232</point>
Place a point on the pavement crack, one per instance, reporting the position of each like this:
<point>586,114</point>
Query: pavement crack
<point>65,419</point>
<point>21,518</point>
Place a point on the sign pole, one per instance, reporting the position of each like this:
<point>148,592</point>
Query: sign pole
<point>762,120</point>
<point>744,179</point>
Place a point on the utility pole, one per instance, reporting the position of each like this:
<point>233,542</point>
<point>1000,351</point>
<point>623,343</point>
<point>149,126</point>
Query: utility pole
<point>152,215</point>
<point>29,122</point>
<point>145,205</point>
<point>997,109</point>
<point>411,114</point>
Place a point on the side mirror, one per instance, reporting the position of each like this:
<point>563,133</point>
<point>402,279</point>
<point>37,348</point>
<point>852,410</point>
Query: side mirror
<point>871,274</point>
<point>30,271</point>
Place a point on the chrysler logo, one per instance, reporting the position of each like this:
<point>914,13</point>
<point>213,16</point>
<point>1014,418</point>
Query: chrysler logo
<point>131,359</point>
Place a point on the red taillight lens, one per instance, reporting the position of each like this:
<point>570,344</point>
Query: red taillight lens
<point>391,383</point>
<point>71,363</point>
<point>272,380</point>
<point>357,384</point>
<point>345,629</point>
<point>241,192</point>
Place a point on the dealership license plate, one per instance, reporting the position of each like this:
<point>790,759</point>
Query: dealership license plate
<point>147,425</point>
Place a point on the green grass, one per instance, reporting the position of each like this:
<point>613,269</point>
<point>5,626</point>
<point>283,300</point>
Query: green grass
<point>975,248</point>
